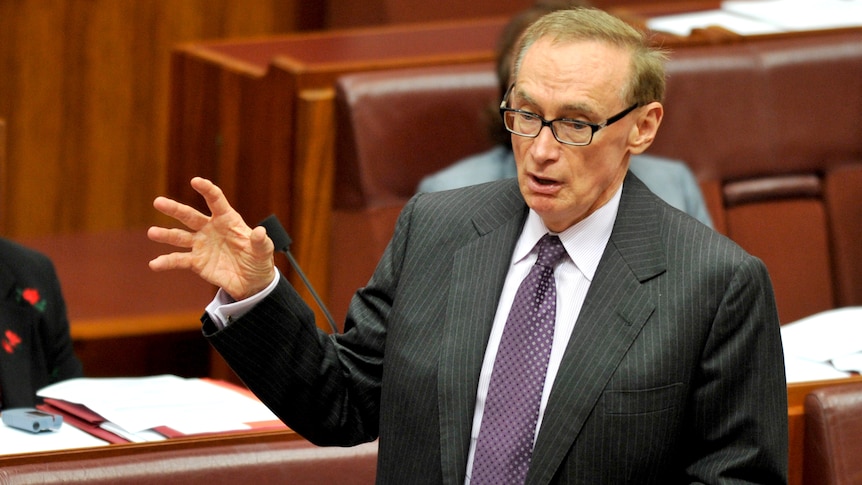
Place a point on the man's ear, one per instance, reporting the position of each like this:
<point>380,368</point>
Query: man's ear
<point>645,128</point>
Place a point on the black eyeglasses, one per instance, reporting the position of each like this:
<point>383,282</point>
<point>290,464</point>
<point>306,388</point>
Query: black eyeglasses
<point>566,131</point>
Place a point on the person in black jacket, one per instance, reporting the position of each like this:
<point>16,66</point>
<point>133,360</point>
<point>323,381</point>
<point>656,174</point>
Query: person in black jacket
<point>35,343</point>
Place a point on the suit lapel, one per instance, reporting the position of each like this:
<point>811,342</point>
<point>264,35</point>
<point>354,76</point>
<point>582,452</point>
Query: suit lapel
<point>616,308</point>
<point>478,272</point>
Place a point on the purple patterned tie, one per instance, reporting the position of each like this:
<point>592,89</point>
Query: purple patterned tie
<point>505,443</point>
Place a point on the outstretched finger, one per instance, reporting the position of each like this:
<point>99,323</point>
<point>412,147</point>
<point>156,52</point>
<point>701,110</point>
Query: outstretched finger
<point>213,195</point>
<point>174,237</point>
<point>189,216</point>
<point>170,261</point>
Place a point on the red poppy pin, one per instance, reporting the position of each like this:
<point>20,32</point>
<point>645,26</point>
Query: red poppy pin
<point>32,296</point>
<point>10,341</point>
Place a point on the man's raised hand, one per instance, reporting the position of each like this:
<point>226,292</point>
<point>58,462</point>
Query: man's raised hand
<point>223,249</point>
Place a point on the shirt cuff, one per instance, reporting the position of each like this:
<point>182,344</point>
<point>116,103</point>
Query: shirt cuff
<point>223,310</point>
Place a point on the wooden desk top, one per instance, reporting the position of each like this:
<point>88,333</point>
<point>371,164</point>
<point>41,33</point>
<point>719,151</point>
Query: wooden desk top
<point>173,444</point>
<point>110,290</point>
<point>339,51</point>
<point>401,45</point>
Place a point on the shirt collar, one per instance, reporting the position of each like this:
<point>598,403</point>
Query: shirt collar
<point>584,242</point>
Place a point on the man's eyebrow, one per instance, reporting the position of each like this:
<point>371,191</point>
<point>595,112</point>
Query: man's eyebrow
<point>580,108</point>
<point>576,107</point>
<point>520,93</point>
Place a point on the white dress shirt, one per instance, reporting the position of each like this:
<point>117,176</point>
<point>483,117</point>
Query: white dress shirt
<point>223,309</point>
<point>584,242</point>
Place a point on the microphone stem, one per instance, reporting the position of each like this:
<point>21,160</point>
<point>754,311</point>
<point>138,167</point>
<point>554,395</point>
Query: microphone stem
<point>311,290</point>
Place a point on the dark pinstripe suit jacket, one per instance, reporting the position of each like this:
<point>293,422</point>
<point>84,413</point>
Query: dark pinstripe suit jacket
<point>674,372</point>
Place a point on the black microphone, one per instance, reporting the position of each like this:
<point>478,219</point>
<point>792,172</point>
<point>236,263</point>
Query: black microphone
<point>282,241</point>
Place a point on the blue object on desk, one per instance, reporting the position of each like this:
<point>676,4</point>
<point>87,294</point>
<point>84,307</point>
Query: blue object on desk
<point>30,419</point>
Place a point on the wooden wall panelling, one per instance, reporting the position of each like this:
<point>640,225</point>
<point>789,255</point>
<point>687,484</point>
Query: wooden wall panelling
<point>84,89</point>
<point>232,122</point>
<point>3,189</point>
<point>311,198</point>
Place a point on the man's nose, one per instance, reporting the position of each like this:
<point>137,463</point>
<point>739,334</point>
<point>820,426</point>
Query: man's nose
<point>545,145</point>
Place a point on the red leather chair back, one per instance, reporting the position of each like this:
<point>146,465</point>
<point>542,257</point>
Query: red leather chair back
<point>833,426</point>
<point>393,128</point>
<point>773,131</point>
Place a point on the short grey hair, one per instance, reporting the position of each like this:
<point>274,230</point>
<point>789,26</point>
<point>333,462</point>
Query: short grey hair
<point>647,82</point>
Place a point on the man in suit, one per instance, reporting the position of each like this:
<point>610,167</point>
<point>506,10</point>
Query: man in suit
<point>671,180</point>
<point>665,364</point>
<point>35,345</point>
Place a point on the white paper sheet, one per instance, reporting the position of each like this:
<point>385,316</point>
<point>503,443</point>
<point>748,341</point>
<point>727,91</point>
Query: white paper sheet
<point>682,24</point>
<point>827,345</point>
<point>800,15</point>
<point>801,370</point>
<point>758,17</point>
<point>824,336</point>
<point>141,403</point>
<point>852,362</point>
<point>14,441</point>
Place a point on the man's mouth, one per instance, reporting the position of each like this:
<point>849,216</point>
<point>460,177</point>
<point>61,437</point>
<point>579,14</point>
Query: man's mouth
<point>543,185</point>
<point>544,181</point>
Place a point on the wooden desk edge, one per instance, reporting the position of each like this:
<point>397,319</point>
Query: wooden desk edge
<point>123,449</point>
<point>796,391</point>
<point>133,326</point>
<point>233,64</point>
<point>491,21</point>
<point>291,65</point>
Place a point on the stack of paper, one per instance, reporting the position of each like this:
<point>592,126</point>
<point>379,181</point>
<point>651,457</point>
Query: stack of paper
<point>14,441</point>
<point>799,15</point>
<point>826,345</point>
<point>682,24</point>
<point>154,408</point>
<point>757,17</point>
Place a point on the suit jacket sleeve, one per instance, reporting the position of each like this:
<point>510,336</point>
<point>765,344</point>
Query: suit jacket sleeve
<point>740,399</point>
<point>325,387</point>
<point>321,389</point>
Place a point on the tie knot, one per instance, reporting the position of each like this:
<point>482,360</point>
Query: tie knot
<point>551,249</point>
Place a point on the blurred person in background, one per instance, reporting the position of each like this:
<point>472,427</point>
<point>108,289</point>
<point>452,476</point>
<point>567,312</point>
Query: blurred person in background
<point>35,344</point>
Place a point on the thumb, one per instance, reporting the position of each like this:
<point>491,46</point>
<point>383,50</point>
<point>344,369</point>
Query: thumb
<point>261,265</point>
<point>261,245</point>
